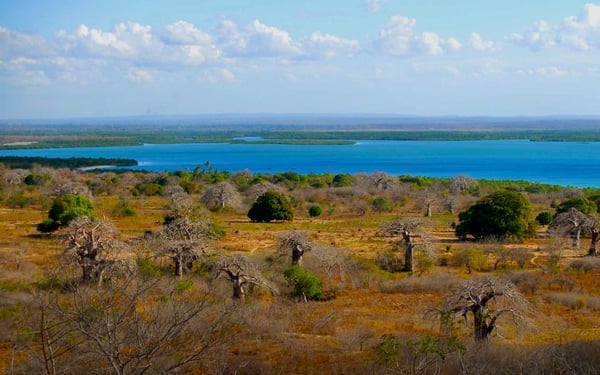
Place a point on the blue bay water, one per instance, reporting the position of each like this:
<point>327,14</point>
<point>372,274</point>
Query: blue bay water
<point>561,163</point>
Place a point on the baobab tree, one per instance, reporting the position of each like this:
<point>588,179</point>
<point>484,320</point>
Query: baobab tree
<point>186,233</point>
<point>407,232</point>
<point>295,242</point>
<point>573,222</point>
<point>221,195</point>
<point>487,299</point>
<point>126,328</point>
<point>95,245</point>
<point>240,272</point>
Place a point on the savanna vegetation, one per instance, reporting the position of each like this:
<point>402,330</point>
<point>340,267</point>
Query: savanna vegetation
<point>206,272</point>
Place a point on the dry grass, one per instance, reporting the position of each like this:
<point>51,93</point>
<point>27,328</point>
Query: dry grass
<point>334,336</point>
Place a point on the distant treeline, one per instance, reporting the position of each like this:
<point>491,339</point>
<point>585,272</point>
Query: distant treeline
<point>56,139</point>
<point>27,162</point>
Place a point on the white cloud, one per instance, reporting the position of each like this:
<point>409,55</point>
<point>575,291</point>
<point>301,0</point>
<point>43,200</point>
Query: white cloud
<point>14,44</point>
<point>579,33</point>
<point>477,43</point>
<point>227,75</point>
<point>399,38</point>
<point>139,75</point>
<point>374,6</point>
<point>453,44</point>
<point>328,46</point>
<point>185,33</point>
<point>256,40</point>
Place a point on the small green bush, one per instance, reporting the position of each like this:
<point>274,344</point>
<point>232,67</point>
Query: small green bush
<point>315,211</point>
<point>304,283</point>
<point>382,204</point>
<point>544,218</point>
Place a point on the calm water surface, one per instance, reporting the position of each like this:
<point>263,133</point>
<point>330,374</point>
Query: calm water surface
<point>562,163</point>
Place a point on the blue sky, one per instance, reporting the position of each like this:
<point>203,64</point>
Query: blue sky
<point>74,58</point>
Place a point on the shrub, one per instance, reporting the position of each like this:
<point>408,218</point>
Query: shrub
<point>271,206</point>
<point>382,204</point>
<point>586,264</point>
<point>315,211</point>
<point>37,179</point>
<point>582,204</point>
<point>472,259</point>
<point>342,180</point>
<point>304,283</point>
<point>544,218</point>
<point>64,209</point>
<point>390,261</point>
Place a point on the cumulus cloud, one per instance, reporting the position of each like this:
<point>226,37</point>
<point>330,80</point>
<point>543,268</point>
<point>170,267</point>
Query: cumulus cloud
<point>185,33</point>
<point>399,38</point>
<point>579,33</point>
<point>264,41</point>
<point>139,75</point>
<point>256,40</point>
<point>477,43</point>
<point>328,46</point>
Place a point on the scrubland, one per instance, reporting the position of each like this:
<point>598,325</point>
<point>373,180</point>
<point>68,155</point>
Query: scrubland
<point>372,318</point>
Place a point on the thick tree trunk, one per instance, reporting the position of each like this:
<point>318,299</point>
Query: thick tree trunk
<point>238,289</point>
<point>87,268</point>
<point>408,258</point>
<point>428,211</point>
<point>576,238</point>
<point>297,254</point>
<point>481,329</point>
<point>178,266</point>
<point>409,252</point>
<point>594,244</point>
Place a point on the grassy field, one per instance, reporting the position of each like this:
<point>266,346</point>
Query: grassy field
<point>338,335</point>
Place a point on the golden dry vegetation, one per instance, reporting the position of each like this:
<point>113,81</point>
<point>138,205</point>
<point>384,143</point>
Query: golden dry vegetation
<point>275,333</point>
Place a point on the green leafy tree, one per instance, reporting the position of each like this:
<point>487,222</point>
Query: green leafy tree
<point>64,209</point>
<point>271,206</point>
<point>305,284</point>
<point>503,214</point>
<point>315,211</point>
<point>342,180</point>
<point>581,204</point>
<point>544,218</point>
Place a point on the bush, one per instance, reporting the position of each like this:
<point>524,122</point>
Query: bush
<point>342,180</point>
<point>544,218</point>
<point>305,284</point>
<point>128,211</point>
<point>64,209</point>
<point>271,206</point>
<point>315,211</point>
<point>382,204</point>
<point>582,204</point>
<point>390,261</point>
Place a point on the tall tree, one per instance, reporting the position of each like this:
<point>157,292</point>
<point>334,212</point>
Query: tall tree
<point>294,243</point>
<point>241,272</point>
<point>94,244</point>
<point>409,237</point>
<point>574,222</point>
<point>186,233</point>
<point>487,300</point>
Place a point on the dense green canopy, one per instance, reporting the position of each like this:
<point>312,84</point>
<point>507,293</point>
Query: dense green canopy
<point>503,214</point>
<point>271,206</point>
